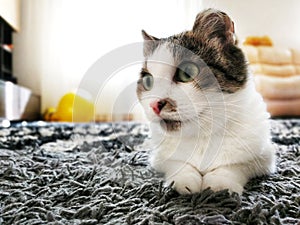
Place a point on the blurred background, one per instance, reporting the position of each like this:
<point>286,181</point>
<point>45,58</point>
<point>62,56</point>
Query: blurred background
<point>48,46</point>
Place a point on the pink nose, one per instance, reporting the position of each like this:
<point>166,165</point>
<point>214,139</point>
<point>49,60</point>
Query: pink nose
<point>157,105</point>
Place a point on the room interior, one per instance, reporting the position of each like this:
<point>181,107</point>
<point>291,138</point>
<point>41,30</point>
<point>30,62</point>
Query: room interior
<point>71,126</point>
<point>45,33</point>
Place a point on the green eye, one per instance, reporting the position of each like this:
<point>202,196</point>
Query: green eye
<point>147,81</point>
<point>186,72</point>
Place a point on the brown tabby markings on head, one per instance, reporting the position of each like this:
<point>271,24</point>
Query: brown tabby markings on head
<point>211,39</point>
<point>171,125</point>
<point>169,105</point>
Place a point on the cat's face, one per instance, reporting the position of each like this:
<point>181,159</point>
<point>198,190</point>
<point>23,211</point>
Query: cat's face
<point>184,77</point>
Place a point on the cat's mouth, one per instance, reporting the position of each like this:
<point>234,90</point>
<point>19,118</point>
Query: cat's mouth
<point>171,125</point>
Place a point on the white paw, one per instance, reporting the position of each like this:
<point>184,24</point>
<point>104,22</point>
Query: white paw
<point>218,182</point>
<point>187,181</point>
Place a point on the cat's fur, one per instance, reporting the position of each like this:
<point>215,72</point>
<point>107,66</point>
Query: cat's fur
<point>212,131</point>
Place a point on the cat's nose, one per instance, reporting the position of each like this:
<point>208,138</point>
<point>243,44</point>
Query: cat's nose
<point>158,105</point>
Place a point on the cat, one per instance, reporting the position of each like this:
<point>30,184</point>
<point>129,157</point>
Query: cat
<point>209,126</point>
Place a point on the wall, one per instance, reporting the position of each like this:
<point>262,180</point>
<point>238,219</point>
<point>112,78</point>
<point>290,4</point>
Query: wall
<point>27,57</point>
<point>276,18</point>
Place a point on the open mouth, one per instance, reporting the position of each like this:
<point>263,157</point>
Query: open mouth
<point>171,125</point>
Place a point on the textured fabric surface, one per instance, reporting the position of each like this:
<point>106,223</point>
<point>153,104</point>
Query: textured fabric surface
<point>99,174</point>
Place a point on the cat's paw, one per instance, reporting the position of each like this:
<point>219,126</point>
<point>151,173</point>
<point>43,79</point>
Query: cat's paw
<point>187,182</point>
<point>218,182</point>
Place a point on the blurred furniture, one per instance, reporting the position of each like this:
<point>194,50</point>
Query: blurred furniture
<point>16,102</point>
<point>277,77</point>
<point>9,22</point>
<point>6,48</point>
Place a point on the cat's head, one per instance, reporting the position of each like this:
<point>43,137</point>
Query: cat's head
<point>184,73</point>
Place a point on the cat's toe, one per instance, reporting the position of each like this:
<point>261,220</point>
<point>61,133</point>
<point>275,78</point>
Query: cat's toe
<point>218,183</point>
<point>188,184</point>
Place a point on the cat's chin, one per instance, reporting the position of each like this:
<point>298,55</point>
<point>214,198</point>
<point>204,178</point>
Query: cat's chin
<point>170,125</point>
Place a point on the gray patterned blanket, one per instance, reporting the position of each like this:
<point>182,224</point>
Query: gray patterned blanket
<point>99,174</point>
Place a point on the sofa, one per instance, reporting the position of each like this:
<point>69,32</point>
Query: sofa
<point>276,73</point>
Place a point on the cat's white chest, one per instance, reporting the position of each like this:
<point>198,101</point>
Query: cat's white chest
<point>191,150</point>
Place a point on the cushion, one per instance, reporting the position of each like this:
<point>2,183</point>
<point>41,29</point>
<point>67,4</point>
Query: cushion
<point>274,55</point>
<point>283,107</point>
<point>296,56</point>
<point>278,87</point>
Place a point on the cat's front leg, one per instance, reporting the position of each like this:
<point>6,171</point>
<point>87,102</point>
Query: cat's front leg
<point>231,177</point>
<point>186,178</point>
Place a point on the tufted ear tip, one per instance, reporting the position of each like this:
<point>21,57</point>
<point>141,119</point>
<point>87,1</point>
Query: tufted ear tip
<point>212,23</point>
<point>148,37</point>
<point>230,30</point>
<point>150,43</point>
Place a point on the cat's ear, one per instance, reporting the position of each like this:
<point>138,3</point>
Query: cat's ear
<point>148,37</point>
<point>150,43</point>
<point>215,25</point>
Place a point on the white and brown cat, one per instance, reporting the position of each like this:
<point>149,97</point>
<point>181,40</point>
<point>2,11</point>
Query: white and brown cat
<point>209,126</point>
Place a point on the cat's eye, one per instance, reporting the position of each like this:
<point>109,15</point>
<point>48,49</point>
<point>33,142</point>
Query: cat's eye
<point>147,81</point>
<point>186,72</point>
